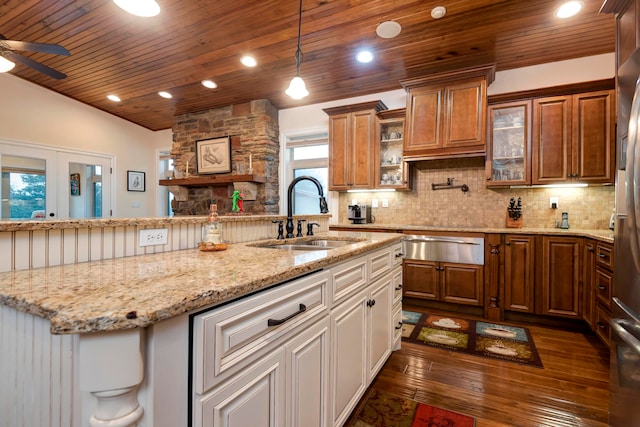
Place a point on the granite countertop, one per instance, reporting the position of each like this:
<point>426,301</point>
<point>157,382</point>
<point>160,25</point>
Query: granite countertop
<point>602,235</point>
<point>139,291</point>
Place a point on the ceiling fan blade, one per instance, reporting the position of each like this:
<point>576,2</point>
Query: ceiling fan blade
<point>16,57</point>
<point>33,47</point>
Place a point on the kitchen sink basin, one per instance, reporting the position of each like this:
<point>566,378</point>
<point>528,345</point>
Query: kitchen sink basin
<point>308,245</point>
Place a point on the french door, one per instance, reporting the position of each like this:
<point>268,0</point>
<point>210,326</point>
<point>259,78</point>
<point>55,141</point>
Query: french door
<point>40,182</point>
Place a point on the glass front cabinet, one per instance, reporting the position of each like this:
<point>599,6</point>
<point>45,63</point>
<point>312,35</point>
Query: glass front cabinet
<point>391,171</point>
<point>509,144</point>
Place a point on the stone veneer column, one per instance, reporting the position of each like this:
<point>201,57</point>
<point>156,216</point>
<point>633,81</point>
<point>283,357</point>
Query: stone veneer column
<point>253,128</point>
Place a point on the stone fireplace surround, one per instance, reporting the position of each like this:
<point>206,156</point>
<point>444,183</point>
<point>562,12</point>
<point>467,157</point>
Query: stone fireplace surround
<point>253,128</point>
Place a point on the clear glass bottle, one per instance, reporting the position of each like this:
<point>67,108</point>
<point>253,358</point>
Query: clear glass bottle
<point>212,232</point>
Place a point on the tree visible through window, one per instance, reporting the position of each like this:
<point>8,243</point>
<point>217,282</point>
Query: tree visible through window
<point>26,194</point>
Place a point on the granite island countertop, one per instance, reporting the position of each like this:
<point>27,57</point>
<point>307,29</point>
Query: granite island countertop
<point>139,291</point>
<point>602,235</point>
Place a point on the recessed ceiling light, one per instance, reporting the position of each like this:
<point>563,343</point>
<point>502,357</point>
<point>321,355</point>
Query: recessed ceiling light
<point>438,12</point>
<point>114,98</point>
<point>569,9</point>
<point>164,94</point>
<point>388,29</point>
<point>144,8</point>
<point>209,84</point>
<point>364,56</point>
<point>248,61</point>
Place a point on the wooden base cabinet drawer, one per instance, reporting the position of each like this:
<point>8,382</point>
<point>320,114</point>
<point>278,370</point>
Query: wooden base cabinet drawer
<point>231,337</point>
<point>603,286</point>
<point>602,327</point>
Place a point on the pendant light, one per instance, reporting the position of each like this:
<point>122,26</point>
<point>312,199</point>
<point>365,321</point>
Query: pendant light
<point>297,89</point>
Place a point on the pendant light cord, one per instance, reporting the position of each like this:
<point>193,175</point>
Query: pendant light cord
<point>299,51</point>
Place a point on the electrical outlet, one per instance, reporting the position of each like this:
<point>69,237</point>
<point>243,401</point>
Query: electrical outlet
<point>553,202</point>
<point>385,203</point>
<point>153,236</point>
<point>374,203</point>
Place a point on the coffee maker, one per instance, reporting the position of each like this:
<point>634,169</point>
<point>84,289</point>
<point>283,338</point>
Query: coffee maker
<point>359,214</point>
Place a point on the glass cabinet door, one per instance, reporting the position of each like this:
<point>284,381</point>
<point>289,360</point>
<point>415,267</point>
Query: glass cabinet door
<point>508,147</point>
<point>391,169</point>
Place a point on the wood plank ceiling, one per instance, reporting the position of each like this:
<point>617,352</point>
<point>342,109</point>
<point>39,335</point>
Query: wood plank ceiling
<point>133,57</point>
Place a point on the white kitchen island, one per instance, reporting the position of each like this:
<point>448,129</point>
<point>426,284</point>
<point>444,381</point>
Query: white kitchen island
<point>115,342</point>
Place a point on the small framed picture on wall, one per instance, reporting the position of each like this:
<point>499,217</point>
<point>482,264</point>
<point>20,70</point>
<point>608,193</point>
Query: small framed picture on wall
<point>135,181</point>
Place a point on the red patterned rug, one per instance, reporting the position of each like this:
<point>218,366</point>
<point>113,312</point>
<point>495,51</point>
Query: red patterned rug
<point>387,410</point>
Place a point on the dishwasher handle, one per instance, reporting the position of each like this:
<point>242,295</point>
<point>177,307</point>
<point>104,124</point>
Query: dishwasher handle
<point>460,242</point>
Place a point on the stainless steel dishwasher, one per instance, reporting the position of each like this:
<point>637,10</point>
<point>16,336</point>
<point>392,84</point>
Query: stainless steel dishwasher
<point>462,250</point>
<point>444,269</point>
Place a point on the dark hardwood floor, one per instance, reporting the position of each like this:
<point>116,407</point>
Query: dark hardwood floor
<point>571,390</point>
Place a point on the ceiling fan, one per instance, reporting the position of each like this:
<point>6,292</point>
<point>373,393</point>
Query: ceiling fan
<point>8,48</point>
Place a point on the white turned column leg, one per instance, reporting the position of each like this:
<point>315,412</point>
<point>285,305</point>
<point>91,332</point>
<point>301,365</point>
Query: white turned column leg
<point>111,369</point>
<point>117,408</point>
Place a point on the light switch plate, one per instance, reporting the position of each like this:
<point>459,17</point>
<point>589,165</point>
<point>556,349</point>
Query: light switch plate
<point>153,236</point>
<point>374,203</point>
<point>385,203</point>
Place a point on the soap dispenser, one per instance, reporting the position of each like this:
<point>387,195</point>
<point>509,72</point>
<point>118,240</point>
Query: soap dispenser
<point>212,232</point>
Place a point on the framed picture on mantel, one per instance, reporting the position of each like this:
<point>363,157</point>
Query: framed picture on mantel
<point>213,155</point>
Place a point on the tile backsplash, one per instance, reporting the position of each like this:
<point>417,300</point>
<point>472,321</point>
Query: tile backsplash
<point>588,207</point>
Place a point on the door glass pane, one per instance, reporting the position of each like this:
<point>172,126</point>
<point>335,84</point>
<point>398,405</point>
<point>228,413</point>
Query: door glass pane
<point>85,190</point>
<point>23,187</point>
<point>305,194</point>
<point>508,144</point>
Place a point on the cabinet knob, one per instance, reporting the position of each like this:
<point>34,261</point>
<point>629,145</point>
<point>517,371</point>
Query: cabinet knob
<point>507,243</point>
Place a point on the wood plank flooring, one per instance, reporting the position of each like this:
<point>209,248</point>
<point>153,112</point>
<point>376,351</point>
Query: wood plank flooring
<point>571,390</point>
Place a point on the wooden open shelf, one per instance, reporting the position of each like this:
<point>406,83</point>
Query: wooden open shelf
<point>213,180</point>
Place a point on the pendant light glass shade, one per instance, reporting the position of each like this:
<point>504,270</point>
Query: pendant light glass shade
<point>6,65</point>
<point>297,88</point>
<point>144,8</point>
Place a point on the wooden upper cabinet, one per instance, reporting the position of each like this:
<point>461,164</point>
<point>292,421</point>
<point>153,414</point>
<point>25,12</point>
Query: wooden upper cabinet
<point>352,144</point>
<point>593,137</point>
<point>573,138</point>
<point>551,136</point>
<point>446,114</point>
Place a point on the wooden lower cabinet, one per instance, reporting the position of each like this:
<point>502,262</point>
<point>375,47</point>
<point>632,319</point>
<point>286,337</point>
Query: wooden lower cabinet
<point>560,285</point>
<point>519,269</point>
<point>444,281</point>
<point>588,282</point>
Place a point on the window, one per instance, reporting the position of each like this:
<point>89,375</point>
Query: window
<point>23,188</point>
<point>307,155</point>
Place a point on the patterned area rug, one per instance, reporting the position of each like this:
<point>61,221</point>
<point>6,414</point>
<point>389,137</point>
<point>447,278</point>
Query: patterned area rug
<point>470,336</point>
<point>386,410</point>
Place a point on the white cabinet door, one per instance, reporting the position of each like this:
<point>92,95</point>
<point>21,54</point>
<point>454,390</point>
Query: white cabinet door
<point>256,397</point>
<point>379,324</point>
<point>308,377</point>
<point>349,355</point>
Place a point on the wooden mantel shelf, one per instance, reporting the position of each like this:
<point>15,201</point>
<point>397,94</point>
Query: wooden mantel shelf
<point>213,180</point>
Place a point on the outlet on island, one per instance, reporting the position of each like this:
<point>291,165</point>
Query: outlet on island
<point>156,236</point>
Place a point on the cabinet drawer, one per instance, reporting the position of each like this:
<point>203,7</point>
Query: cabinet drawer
<point>397,325</point>
<point>604,255</point>
<point>381,262</point>
<point>228,338</point>
<point>604,286</point>
<point>603,330</point>
<point>347,278</point>
<point>397,254</point>
<point>397,285</point>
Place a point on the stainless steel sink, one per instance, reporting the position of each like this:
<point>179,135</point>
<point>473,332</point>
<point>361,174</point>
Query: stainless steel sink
<point>308,245</point>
